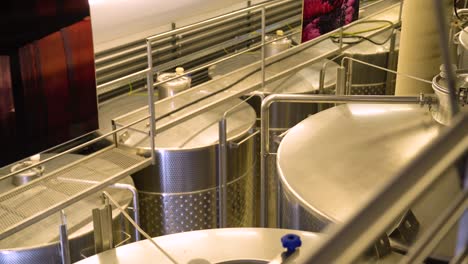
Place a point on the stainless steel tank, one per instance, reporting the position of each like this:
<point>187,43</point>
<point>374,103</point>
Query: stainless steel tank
<point>171,88</point>
<point>222,246</point>
<point>179,193</point>
<point>331,163</point>
<point>366,80</point>
<point>39,243</point>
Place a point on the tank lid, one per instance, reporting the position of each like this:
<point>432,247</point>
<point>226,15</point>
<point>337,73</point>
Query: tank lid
<point>331,162</point>
<point>199,131</point>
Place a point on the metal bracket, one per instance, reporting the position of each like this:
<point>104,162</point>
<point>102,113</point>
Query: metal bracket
<point>102,222</point>
<point>407,229</point>
<point>381,248</point>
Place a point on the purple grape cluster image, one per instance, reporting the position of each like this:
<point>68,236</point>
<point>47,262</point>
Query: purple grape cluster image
<point>322,16</point>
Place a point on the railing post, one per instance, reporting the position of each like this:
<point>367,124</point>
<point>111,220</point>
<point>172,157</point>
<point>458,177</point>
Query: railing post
<point>222,177</point>
<point>149,83</point>
<point>64,243</point>
<point>263,45</point>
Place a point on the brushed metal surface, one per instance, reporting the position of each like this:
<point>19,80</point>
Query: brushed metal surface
<point>379,139</point>
<point>39,243</point>
<point>332,162</point>
<point>218,246</point>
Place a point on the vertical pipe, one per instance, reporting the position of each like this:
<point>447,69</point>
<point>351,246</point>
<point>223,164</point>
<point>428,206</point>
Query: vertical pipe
<point>340,80</point>
<point>222,178</point>
<point>264,149</point>
<point>278,203</point>
<point>64,243</point>
<point>391,61</point>
<point>446,56</point>
<point>400,14</point>
<point>322,77</point>
<point>136,207</point>
<point>263,46</point>
<point>114,136</point>
<point>341,38</point>
<point>149,83</point>
<point>349,79</point>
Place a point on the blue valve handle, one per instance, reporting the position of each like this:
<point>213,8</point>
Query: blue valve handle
<point>291,242</point>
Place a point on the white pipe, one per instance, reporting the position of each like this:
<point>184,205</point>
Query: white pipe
<point>420,53</point>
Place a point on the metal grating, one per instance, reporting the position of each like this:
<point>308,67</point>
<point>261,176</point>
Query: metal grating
<point>54,191</point>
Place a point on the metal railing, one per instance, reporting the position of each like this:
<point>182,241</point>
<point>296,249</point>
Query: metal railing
<point>149,72</point>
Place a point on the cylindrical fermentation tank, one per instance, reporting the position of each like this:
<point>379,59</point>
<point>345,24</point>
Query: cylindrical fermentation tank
<point>39,243</point>
<point>179,193</point>
<point>222,246</point>
<point>171,88</point>
<point>366,80</point>
<point>329,165</point>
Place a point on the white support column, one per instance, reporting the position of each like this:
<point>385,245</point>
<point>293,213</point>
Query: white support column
<point>420,53</point>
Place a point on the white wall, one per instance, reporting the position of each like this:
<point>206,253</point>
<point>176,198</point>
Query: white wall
<point>116,22</point>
